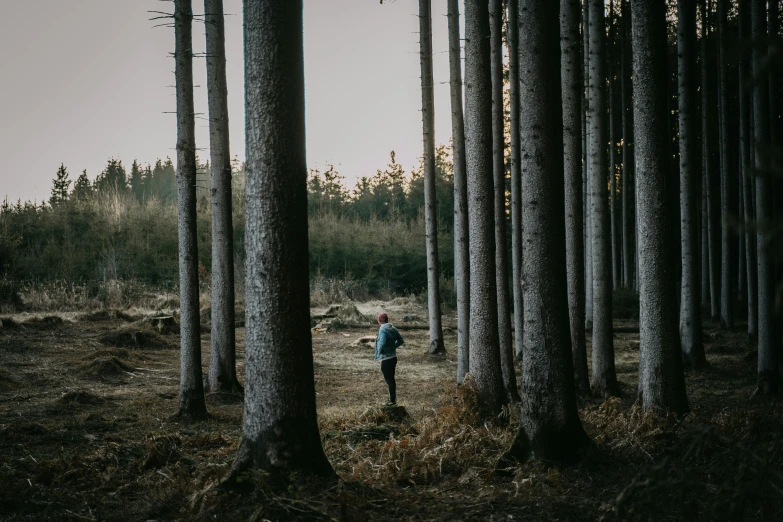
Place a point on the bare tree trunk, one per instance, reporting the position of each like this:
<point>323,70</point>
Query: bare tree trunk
<point>571,67</point>
<point>588,110</point>
<point>690,318</point>
<point>484,342</point>
<point>612,114</point>
<point>428,160</point>
<point>512,37</point>
<point>661,378</point>
<point>222,375</point>
<point>747,179</point>
<point>550,428</point>
<point>461,252</point>
<point>280,425</point>
<point>768,373</point>
<point>704,141</point>
<point>191,391</point>
<point>726,299</point>
<point>628,197</point>
<point>604,381</point>
<point>499,176</point>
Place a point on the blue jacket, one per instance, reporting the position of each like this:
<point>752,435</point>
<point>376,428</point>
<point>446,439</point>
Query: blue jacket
<point>386,344</point>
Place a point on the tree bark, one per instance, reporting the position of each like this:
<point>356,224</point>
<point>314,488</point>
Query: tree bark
<point>191,391</point>
<point>604,381</point>
<point>484,342</point>
<point>612,114</point>
<point>588,143</point>
<point>768,373</point>
<point>428,160</point>
<point>690,318</point>
<point>726,299</point>
<point>746,192</point>
<point>499,177</point>
<point>512,37</point>
<point>461,252</point>
<point>550,428</point>
<point>222,375</point>
<point>661,378</point>
<point>571,68</point>
<point>280,425</point>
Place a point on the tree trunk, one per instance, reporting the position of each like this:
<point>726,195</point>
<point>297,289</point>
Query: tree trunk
<point>571,68</point>
<point>604,381</point>
<point>461,252</point>
<point>484,342</point>
<point>768,374</point>
<point>746,192</point>
<point>280,425</point>
<point>612,114</point>
<point>588,143</point>
<point>191,391</point>
<point>661,378</point>
<point>499,177</point>
<point>726,299</point>
<point>512,38</point>
<point>428,161</point>
<point>628,197</point>
<point>222,375</point>
<point>550,428</point>
<point>690,318</point>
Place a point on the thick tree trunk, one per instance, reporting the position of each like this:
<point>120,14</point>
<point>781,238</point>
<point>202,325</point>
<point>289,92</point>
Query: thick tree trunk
<point>499,177</point>
<point>604,381</point>
<point>726,298</point>
<point>690,318</point>
<point>628,198</point>
<point>512,37</point>
<point>280,424</point>
<point>550,428</point>
<point>428,160</point>
<point>222,375</point>
<point>768,374</point>
<point>571,67</point>
<point>461,252</point>
<point>661,378</point>
<point>747,179</point>
<point>191,391</point>
<point>484,343</point>
<point>588,111</point>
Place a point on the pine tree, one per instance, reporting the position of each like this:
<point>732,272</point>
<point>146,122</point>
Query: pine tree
<point>82,189</point>
<point>60,185</point>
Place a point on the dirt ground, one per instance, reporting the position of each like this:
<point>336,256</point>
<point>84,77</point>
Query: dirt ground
<point>87,433</point>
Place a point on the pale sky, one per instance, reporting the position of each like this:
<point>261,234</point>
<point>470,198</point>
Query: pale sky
<point>86,80</point>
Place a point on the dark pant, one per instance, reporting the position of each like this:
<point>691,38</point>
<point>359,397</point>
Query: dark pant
<point>387,367</point>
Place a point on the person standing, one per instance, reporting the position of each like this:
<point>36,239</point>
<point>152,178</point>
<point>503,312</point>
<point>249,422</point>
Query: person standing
<point>386,344</point>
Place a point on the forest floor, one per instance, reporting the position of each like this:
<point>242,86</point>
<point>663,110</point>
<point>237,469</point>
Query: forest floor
<point>87,432</point>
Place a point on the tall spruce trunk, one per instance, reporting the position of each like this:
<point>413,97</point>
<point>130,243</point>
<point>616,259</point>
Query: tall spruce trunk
<point>604,380</point>
<point>484,343</point>
<point>461,251</point>
<point>627,194</point>
<point>705,252</point>
<point>512,39</point>
<point>571,67</point>
<point>222,375</point>
<point>428,160</point>
<point>588,111</point>
<point>661,378</point>
<point>191,391</point>
<point>708,162</point>
<point>612,114</point>
<point>499,177</point>
<point>726,298</point>
<point>768,373</point>
<point>746,144</point>
<point>280,422</point>
<point>690,316</point>
<point>550,428</point>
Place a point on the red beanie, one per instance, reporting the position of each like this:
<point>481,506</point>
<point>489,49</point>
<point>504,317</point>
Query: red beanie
<point>383,318</point>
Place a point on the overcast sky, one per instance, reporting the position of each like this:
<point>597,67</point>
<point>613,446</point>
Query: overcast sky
<point>86,80</point>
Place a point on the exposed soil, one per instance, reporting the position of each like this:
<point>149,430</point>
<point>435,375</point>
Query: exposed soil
<point>87,433</point>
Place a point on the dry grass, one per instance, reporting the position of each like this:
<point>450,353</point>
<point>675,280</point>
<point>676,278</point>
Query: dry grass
<point>108,448</point>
